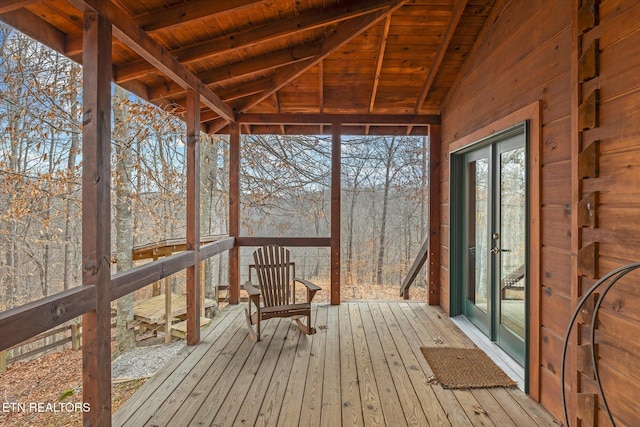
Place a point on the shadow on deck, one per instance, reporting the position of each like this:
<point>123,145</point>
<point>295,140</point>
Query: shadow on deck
<point>363,367</point>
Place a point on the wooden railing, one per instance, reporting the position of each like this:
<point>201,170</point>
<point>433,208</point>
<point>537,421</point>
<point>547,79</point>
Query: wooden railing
<point>423,254</point>
<point>22,323</point>
<point>73,338</point>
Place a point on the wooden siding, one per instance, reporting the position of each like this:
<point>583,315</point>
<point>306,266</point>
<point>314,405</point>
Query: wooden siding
<point>362,367</point>
<point>525,55</point>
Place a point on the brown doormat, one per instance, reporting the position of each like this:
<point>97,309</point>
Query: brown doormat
<point>465,368</point>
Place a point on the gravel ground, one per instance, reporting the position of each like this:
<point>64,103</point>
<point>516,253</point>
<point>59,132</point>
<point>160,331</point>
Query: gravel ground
<point>144,362</point>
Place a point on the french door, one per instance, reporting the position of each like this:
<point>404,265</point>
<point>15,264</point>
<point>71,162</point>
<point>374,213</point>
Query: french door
<point>494,219</point>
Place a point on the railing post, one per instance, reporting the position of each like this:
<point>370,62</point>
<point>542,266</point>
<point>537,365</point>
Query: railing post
<point>234,211</point>
<point>75,336</point>
<point>3,360</point>
<point>193,216</point>
<point>96,216</point>
<point>336,163</point>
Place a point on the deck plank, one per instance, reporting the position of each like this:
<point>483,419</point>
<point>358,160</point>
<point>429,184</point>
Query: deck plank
<point>419,337</point>
<point>495,411</point>
<point>351,403</point>
<point>409,401</point>
<point>265,354</point>
<point>312,401</point>
<point>331,391</point>
<point>519,416</point>
<point>391,406</point>
<point>363,367</point>
<point>371,406</point>
<point>436,415</point>
<point>210,396</point>
<point>274,397</point>
<point>292,401</point>
<point>213,366</point>
<point>173,372</point>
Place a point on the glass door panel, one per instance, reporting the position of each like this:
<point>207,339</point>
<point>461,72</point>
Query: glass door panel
<point>477,226</point>
<point>511,257</point>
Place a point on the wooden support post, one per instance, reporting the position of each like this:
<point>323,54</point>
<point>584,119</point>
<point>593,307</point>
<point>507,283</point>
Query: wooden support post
<point>435,179</point>
<point>168,310</point>
<point>234,212</point>
<point>75,336</point>
<point>156,285</point>
<point>202,288</point>
<point>336,162</point>
<point>96,217</point>
<point>193,216</point>
<point>3,360</point>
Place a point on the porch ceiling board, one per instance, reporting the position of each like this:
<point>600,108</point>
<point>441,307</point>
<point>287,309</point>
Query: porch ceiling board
<point>258,56</point>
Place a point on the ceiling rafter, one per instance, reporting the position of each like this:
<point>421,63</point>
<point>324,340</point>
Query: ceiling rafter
<point>456,14</point>
<point>139,41</point>
<point>262,63</point>
<point>381,48</point>
<point>260,34</point>
<point>185,12</point>
<point>344,33</point>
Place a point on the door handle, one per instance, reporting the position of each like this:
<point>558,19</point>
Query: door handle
<point>497,249</point>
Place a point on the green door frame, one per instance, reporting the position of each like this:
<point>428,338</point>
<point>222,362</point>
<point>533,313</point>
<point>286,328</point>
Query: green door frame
<point>457,201</point>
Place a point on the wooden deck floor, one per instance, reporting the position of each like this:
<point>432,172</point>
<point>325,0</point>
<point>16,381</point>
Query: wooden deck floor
<point>363,367</point>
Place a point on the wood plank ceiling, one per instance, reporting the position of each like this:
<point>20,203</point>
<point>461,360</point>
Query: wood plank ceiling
<point>357,57</point>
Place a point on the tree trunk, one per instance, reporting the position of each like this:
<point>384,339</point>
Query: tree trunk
<point>70,210</point>
<point>208,194</point>
<point>125,336</point>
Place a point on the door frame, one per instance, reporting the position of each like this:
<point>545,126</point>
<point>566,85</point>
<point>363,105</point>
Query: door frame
<point>531,114</point>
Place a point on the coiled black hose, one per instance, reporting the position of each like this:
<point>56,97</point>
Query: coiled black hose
<point>618,273</point>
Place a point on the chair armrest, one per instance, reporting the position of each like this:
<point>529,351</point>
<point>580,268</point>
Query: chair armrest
<point>309,285</point>
<point>251,290</point>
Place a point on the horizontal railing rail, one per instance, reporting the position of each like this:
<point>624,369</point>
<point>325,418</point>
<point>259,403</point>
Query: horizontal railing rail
<point>22,323</point>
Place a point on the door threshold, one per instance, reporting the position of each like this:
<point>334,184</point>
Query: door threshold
<point>495,353</point>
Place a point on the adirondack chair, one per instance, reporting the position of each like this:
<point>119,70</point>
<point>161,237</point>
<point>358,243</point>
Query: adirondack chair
<point>275,283</point>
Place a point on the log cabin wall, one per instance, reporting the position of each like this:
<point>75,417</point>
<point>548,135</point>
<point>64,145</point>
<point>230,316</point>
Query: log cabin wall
<point>525,56</point>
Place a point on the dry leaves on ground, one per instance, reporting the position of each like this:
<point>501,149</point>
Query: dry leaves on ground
<point>30,391</point>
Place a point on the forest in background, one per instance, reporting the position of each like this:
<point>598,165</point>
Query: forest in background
<point>285,185</point>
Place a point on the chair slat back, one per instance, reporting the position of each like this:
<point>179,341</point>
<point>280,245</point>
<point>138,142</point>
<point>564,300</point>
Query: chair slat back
<point>273,270</point>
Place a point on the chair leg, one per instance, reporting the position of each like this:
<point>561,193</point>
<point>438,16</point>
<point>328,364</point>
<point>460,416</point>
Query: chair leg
<point>253,334</point>
<point>307,329</point>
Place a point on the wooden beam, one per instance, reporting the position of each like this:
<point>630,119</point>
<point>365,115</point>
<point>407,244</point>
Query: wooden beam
<point>186,12</point>
<point>148,48</point>
<point>96,217</point>
<point>234,212</point>
<point>138,277</point>
<point>193,216</point>
<point>336,176</point>
<point>381,49</point>
<point>435,200</point>
<point>343,119</point>
<point>456,14</point>
<point>421,258</point>
<point>320,87</point>
<point>247,38</point>
<point>345,32</point>
<point>36,28</point>
<point>217,247</point>
<point>11,5</point>
<point>308,242</point>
